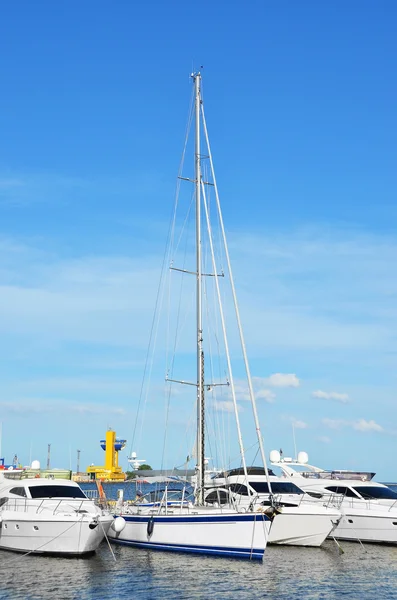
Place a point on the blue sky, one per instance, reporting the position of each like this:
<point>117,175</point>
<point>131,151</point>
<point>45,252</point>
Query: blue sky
<point>301,105</point>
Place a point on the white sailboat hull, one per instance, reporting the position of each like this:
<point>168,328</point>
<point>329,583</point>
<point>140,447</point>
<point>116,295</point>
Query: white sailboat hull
<point>229,534</point>
<point>303,526</point>
<point>73,534</point>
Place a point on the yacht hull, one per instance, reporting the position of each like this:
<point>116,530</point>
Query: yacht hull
<point>223,534</point>
<point>60,534</point>
<point>368,526</point>
<point>300,526</point>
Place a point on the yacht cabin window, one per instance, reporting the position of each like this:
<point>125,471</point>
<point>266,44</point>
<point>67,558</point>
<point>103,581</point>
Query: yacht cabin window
<point>238,488</point>
<point>56,491</point>
<point>342,489</point>
<point>218,496</point>
<point>278,487</point>
<point>373,491</point>
<point>18,491</point>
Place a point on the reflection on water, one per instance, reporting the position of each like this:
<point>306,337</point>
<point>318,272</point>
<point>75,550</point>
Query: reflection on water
<point>287,573</point>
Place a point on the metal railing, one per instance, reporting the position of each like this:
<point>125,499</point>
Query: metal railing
<point>36,506</point>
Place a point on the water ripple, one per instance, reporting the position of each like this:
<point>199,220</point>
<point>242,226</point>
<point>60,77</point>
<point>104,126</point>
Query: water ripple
<point>286,574</point>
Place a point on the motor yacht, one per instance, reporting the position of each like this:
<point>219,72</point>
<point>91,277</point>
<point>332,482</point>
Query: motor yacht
<point>297,519</point>
<point>48,516</point>
<point>369,509</point>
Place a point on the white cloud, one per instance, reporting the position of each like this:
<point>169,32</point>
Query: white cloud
<point>283,380</point>
<point>226,406</point>
<point>260,390</point>
<point>363,425</point>
<point>261,384</point>
<point>359,425</point>
<point>266,395</point>
<point>299,424</point>
<point>340,397</point>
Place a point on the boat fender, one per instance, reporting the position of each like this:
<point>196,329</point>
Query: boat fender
<point>93,524</point>
<point>150,526</point>
<point>118,524</point>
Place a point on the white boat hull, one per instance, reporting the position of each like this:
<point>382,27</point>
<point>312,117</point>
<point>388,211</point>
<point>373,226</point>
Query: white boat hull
<point>43,534</point>
<point>295,523</point>
<point>368,526</point>
<point>303,526</point>
<point>369,509</point>
<point>229,534</point>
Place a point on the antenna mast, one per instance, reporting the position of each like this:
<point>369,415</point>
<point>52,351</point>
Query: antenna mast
<point>48,456</point>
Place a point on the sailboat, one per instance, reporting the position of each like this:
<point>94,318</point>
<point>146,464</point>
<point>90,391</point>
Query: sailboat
<point>185,526</point>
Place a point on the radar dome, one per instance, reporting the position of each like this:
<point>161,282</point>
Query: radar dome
<point>303,458</point>
<point>36,464</point>
<point>275,456</point>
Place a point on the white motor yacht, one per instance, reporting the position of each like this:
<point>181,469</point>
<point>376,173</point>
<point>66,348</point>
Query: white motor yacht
<point>297,520</point>
<point>369,509</point>
<point>50,516</point>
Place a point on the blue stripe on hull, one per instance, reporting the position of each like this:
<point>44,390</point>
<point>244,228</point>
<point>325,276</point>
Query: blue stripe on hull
<point>251,518</point>
<point>247,553</point>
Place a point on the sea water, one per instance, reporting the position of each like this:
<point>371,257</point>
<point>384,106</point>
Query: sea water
<point>287,573</point>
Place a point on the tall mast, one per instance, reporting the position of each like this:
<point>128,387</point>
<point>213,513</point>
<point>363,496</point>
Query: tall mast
<point>199,326</point>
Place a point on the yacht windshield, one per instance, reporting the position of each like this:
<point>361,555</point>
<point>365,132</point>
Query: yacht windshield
<point>278,487</point>
<point>371,491</point>
<point>250,471</point>
<point>56,491</point>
